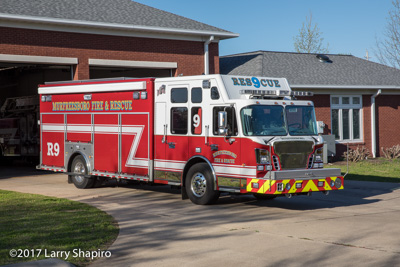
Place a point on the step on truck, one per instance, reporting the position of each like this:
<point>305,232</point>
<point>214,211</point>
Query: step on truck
<point>205,134</point>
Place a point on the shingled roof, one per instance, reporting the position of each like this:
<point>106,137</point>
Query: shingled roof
<point>306,70</point>
<point>107,13</point>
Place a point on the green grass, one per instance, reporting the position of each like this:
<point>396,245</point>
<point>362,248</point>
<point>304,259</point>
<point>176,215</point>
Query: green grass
<point>35,222</point>
<point>377,170</point>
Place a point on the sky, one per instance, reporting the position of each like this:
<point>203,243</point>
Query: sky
<point>348,26</point>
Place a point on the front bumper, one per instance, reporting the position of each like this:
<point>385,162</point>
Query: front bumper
<point>297,182</point>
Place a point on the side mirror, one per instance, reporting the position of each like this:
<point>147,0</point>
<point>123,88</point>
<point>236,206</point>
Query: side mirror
<point>223,122</point>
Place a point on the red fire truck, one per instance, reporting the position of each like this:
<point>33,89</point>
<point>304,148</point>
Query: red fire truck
<point>206,134</point>
<point>19,134</point>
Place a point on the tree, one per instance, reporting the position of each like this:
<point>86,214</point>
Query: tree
<point>388,49</point>
<point>309,39</point>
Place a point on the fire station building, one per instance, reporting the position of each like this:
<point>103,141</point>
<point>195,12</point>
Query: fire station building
<point>356,100</point>
<point>53,40</point>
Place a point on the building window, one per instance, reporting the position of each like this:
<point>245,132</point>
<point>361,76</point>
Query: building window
<point>346,117</point>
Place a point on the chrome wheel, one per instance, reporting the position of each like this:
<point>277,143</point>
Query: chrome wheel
<point>79,168</point>
<point>81,180</point>
<point>199,185</point>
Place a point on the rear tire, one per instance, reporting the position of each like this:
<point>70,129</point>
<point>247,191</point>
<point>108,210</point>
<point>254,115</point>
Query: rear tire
<point>199,185</point>
<point>79,166</point>
<point>98,181</point>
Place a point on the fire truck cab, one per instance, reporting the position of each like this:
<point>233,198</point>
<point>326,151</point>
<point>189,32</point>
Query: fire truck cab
<point>207,134</point>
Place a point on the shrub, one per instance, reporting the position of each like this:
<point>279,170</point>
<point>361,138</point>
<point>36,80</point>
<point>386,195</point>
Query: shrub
<point>391,152</point>
<point>358,154</point>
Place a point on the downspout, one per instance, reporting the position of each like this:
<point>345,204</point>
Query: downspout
<point>206,55</point>
<point>373,123</point>
<point>72,72</point>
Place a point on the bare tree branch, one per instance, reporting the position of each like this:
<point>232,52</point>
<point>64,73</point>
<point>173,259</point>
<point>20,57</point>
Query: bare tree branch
<point>388,49</point>
<point>309,39</point>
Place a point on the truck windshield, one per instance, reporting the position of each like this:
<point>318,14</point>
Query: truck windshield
<point>264,120</point>
<point>301,120</point>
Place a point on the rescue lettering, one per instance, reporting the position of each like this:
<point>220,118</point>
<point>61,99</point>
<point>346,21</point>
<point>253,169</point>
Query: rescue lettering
<point>257,83</point>
<point>218,160</point>
<point>117,105</point>
<point>224,160</point>
<point>121,105</point>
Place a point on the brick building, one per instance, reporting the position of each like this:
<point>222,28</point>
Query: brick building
<point>50,40</point>
<point>357,100</point>
<point>59,40</point>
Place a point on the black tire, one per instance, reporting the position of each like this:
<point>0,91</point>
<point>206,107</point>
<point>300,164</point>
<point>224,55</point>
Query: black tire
<point>79,166</point>
<point>199,185</point>
<point>263,196</point>
<point>98,181</point>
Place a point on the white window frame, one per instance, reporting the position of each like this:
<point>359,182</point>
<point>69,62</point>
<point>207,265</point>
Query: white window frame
<point>350,107</point>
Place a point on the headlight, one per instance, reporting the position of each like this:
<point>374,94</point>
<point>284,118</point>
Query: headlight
<point>262,156</point>
<point>319,154</point>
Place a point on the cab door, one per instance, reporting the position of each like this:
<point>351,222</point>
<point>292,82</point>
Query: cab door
<point>176,143</point>
<point>227,149</point>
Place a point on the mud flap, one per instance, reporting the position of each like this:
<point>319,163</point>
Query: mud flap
<point>184,193</point>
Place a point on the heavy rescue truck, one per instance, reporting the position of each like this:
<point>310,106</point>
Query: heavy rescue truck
<point>206,134</point>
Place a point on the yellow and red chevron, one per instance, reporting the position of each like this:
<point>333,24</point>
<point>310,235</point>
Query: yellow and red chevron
<point>270,186</point>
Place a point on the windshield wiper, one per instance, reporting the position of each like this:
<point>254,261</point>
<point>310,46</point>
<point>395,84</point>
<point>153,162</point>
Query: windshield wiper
<point>266,142</point>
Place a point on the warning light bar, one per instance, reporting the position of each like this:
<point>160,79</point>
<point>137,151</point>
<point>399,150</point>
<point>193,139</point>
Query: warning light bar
<point>278,93</point>
<point>46,98</point>
<point>302,93</point>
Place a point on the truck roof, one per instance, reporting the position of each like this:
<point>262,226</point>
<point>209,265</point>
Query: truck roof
<point>236,87</point>
<point>95,85</point>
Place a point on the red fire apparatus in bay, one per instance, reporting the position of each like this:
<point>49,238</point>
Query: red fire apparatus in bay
<point>207,134</point>
<point>19,134</point>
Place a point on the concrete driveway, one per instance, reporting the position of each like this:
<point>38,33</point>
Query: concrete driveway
<point>359,226</point>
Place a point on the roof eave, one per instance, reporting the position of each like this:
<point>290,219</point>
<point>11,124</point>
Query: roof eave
<point>359,87</point>
<point>114,26</point>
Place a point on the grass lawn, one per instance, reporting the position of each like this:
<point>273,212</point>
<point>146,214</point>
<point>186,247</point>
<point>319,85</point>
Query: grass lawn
<point>42,225</point>
<point>378,170</point>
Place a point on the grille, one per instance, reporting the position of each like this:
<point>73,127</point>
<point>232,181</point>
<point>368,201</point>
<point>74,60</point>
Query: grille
<point>293,154</point>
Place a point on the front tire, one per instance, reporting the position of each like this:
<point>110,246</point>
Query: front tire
<point>199,185</point>
<point>79,166</point>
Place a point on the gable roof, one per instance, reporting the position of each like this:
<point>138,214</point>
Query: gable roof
<point>118,14</point>
<point>307,71</point>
